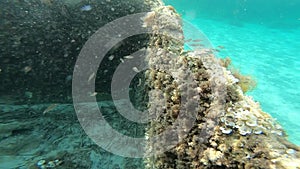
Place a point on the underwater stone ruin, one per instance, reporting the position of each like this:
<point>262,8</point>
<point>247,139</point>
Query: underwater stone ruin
<point>216,125</point>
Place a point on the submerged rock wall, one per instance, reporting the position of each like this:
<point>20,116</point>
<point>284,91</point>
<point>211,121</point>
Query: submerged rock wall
<point>41,39</point>
<point>219,127</point>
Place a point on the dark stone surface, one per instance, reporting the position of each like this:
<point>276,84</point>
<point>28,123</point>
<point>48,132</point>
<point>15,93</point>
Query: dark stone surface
<point>41,39</point>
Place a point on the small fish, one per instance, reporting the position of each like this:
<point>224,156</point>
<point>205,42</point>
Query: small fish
<point>197,40</point>
<point>111,57</point>
<point>128,57</point>
<point>93,94</point>
<point>195,45</point>
<point>135,69</point>
<point>216,50</point>
<point>188,40</point>
<point>91,77</point>
<point>27,69</point>
<point>86,8</point>
<point>140,82</point>
<point>51,107</point>
<point>221,47</point>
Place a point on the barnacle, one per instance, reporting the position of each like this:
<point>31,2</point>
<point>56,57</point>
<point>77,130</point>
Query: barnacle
<point>244,130</point>
<point>226,130</point>
<point>258,130</point>
<point>229,120</point>
<point>251,122</point>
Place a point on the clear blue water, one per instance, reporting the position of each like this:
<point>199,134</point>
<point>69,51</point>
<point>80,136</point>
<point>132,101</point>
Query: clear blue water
<point>263,39</point>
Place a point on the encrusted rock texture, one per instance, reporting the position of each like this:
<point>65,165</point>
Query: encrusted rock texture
<point>229,129</point>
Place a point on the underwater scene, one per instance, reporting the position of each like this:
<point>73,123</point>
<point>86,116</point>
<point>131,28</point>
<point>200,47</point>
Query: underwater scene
<point>149,84</point>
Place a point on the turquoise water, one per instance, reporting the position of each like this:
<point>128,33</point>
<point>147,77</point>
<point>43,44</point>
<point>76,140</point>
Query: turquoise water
<point>263,40</point>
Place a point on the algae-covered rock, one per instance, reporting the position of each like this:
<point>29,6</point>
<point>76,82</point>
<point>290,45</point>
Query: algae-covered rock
<point>219,127</point>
